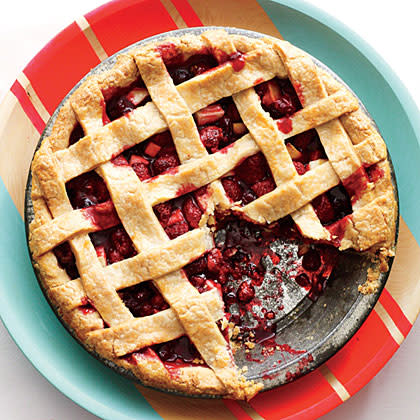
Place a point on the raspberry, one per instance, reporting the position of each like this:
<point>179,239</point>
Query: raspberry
<point>176,217</point>
<point>114,256</point>
<point>323,209</point>
<point>246,292</point>
<point>176,229</point>
<point>163,211</point>
<point>191,212</point>
<point>263,187</point>
<point>252,169</point>
<point>163,163</point>
<point>122,243</point>
<point>210,137</point>
<point>300,167</point>
<point>214,260</point>
<point>141,170</point>
<point>232,188</point>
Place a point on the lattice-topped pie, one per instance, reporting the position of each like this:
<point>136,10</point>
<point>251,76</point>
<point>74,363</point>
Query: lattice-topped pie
<point>164,182</point>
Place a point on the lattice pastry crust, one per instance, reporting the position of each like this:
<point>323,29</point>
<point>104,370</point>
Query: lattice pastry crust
<point>350,141</point>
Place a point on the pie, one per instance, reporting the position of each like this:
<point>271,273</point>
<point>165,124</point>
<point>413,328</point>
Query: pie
<point>165,180</point>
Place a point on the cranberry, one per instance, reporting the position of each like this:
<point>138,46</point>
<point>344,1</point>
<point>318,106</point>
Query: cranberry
<point>340,201</point>
<point>252,169</point>
<point>324,209</point>
<point>118,106</point>
<point>191,212</point>
<point>163,163</point>
<point>263,187</point>
<point>163,211</point>
<point>180,75</point>
<point>232,188</point>
<point>300,167</point>
<point>311,261</point>
<point>211,137</point>
<point>270,315</point>
<point>246,292</point>
<point>303,280</point>
<point>141,170</point>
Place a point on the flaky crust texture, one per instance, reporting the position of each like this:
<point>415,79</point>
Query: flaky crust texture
<point>349,138</point>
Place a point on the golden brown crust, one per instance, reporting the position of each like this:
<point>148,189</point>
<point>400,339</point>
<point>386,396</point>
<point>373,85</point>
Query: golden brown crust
<point>348,136</point>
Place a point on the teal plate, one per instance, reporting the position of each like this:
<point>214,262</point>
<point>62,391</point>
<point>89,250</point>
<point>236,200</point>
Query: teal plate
<point>27,315</point>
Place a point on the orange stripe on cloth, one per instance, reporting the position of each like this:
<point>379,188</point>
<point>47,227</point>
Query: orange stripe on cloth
<point>364,355</point>
<point>18,138</point>
<point>335,383</point>
<point>308,397</point>
<point>91,37</point>
<point>188,13</point>
<point>395,312</point>
<point>404,281</point>
<point>175,407</point>
<point>27,105</point>
<point>175,15</point>
<point>237,410</point>
<point>245,14</point>
<point>120,23</point>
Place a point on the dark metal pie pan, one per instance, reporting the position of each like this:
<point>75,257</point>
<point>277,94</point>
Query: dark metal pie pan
<point>311,332</point>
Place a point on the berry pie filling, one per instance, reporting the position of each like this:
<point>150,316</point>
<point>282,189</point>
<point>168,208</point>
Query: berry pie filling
<point>76,134</point>
<point>182,68</point>
<point>183,213</point>
<point>249,180</point>
<point>249,264</point>
<point>304,148</point>
<point>278,98</point>
<point>113,245</point>
<point>120,101</point>
<point>151,157</point>
<point>219,125</point>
